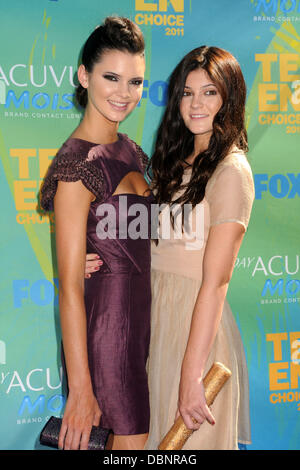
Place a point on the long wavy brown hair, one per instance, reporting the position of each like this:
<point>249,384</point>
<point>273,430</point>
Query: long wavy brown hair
<point>174,142</point>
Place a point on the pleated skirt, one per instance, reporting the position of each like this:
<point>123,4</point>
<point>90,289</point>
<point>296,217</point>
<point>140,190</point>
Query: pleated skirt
<point>173,299</point>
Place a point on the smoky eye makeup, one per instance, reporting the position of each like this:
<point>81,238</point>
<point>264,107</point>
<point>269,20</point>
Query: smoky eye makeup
<point>137,81</point>
<point>114,78</point>
<point>110,76</point>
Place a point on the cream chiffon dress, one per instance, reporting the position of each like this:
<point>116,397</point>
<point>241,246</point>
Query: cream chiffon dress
<point>176,279</point>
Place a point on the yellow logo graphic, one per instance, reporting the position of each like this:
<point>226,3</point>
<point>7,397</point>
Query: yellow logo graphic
<point>162,5</point>
<point>27,184</point>
<point>284,374</point>
<point>278,91</point>
<point>174,21</point>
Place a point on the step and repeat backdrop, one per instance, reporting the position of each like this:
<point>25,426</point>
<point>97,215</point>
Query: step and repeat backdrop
<point>40,43</point>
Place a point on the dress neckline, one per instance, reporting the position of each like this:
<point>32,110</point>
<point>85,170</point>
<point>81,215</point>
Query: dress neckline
<point>188,169</point>
<point>120,137</point>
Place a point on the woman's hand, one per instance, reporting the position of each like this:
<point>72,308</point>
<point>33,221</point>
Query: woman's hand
<point>92,264</point>
<point>81,413</point>
<point>191,401</point>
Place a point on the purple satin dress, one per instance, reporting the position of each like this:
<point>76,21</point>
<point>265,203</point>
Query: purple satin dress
<point>118,296</point>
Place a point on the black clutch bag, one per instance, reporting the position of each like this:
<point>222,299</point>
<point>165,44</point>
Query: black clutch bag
<point>50,433</point>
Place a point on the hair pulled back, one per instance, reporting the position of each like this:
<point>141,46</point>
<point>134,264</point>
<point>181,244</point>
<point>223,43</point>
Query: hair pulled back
<point>175,142</point>
<point>115,33</point>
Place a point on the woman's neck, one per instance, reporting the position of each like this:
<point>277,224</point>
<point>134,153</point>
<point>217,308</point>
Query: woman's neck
<point>94,127</point>
<point>201,143</point>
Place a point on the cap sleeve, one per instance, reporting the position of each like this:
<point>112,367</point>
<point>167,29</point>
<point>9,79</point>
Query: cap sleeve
<point>142,156</point>
<point>70,167</point>
<point>230,192</point>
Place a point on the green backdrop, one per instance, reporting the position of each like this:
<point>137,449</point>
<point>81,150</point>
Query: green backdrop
<point>40,42</point>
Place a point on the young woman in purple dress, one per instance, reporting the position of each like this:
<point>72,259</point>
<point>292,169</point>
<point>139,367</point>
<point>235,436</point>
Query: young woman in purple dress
<point>199,160</point>
<point>105,322</point>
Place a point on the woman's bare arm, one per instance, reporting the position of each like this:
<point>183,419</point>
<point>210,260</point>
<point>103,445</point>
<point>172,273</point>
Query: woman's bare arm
<point>71,206</point>
<point>220,254</point>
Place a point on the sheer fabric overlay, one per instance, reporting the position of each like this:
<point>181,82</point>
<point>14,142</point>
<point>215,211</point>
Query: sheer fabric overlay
<point>176,279</point>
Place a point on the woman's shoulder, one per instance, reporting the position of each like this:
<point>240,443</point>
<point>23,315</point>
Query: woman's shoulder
<point>72,163</point>
<point>74,150</point>
<point>236,160</point>
<point>233,171</point>
<point>141,154</point>
<point>235,163</point>
<point>71,159</point>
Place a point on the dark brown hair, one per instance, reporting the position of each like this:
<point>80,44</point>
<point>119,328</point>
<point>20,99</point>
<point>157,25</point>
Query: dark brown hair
<point>116,33</point>
<point>175,142</point>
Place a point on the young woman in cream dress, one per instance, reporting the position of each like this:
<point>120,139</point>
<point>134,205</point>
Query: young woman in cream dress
<point>199,159</point>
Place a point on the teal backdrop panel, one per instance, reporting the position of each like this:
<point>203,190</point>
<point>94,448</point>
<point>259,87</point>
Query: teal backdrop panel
<point>41,41</point>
